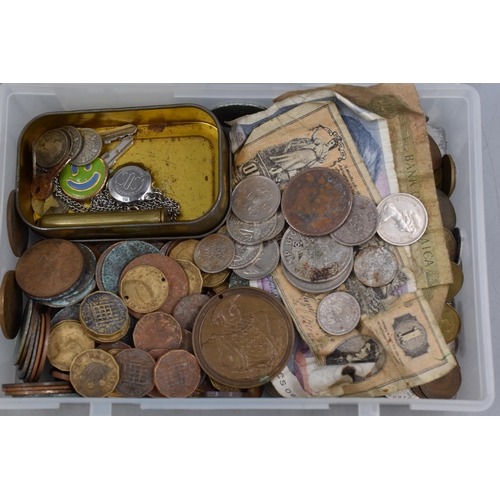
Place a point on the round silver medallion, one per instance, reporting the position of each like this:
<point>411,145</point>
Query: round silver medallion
<point>338,313</point>
<point>130,183</point>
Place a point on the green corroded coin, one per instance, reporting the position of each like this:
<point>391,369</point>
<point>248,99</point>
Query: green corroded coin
<point>83,182</point>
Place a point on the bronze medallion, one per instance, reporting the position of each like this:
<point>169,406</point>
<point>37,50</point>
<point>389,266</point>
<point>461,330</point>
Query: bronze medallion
<point>11,305</point>
<point>136,373</point>
<point>17,229</point>
<point>243,337</point>
<point>177,374</point>
<point>316,201</point>
<point>445,387</point>
<point>157,330</point>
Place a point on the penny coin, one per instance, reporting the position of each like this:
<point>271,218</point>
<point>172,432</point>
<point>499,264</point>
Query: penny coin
<point>418,392</point>
<point>136,373</point>
<point>157,330</point>
<point>76,139</point>
<point>375,266</point>
<point>164,249</point>
<point>177,374</point>
<point>435,153</point>
<point>187,341</point>
<point>94,373</point>
<point>67,339</point>
<point>360,225</point>
<point>156,354</point>
<point>445,387</point>
<point>338,313</point>
<point>316,201</point>
<point>448,214</point>
<point>37,388</point>
<point>250,233</point>
<point>243,337</point>
<point>449,323</point>
<point>244,255</point>
<point>35,352</point>
<point>449,175</point>
<point>11,305</point>
<point>184,250</point>
<point>70,312</point>
<point>52,147</point>
<point>402,219</point>
<point>91,147</point>
<point>255,199</point>
<point>451,244</point>
<point>17,230</point>
<point>187,309</point>
<point>214,253</point>
<point>114,345</point>
<point>23,331</point>
<point>144,289</point>
<point>59,375</point>
<point>458,280</point>
<point>193,274</point>
<point>264,265</point>
<point>50,268</point>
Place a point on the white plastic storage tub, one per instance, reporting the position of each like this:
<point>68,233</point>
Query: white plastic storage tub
<point>456,108</point>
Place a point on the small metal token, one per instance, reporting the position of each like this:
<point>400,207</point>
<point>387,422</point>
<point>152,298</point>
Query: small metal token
<point>448,214</point>
<point>136,373</point>
<point>177,374</point>
<point>52,147</point>
<point>193,274</point>
<point>264,265</point>
<point>187,309</point>
<point>250,233</point>
<point>17,229</point>
<point>157,330</point>
<point>130,183</point>
<point>11,306</point>
<point>360,225</point>
<point>316,201</point>
<point>91,147</point>
<point>338,313</point>
<point>458,280</point>
<point>449,175</point>
<point>402,219</point>
<point>144,289</point>
<point>214,253</point>
<point>375,266</point>
<point>255,199</point>
<point>449,323</point>
<point>445,387</point>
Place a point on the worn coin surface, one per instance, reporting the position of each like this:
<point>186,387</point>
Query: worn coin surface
<point>45,347</point>
<point>280,225</point>
<point>52,147</point>
<point>91,147</point>
<point>214,280</point>
<point>243,337</point>
<point>193,274</point>
<point>244,255</point>
<point>157,330</point>
<point>136,373</point>
<point>187,309</point>
<point>316,201</point>
<point>11,305</point>
<point>445,387</point>
<point>402,219</point>
<point>449,323</point>
<point>375,266</point>
<point>214,253</point>
<point>338,313</point>
<point>76,139</point>
<point>264,265</point>
<point>255,199</point>
<point>250,233</point>
<point>177,374</point>
<point>360,225</point>
<point>448,214</point>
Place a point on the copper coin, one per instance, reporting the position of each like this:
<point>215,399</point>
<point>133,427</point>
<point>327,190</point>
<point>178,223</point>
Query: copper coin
<point>243,337</point>
<point>187,341</point>
<point>214,253</point>
<point>23,332</point>
<point>113,345</point>
<point>37,354</point>
<point>59,375</point>
<point>45,349</point>
<point>52,147</point>
<point>33,354</point>
<point>50,268</point>
<point>157,330</point>
<point>136,373</point>
<point>29,344</point>
<point>156,354</point>
<point>193,274</point>
<point>316,201</point>
<point>17,230</point>
<point>445,387</point>
<point>11,305</point>
<point>177,374</point>
<point>187,309</point>
<point>176,277</point>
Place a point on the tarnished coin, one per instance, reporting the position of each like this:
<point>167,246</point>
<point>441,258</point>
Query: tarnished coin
<point>34,351</point>
<point>243,337</point>
<point>76,139</point>
<point>91,147</point>
<point>52,147</point>
<point>37,388</point>
<point>244,255</point>
<point>187,341</point>
<point>144,289</point>
<point>177,374</point>
<point>187,309</point>
<point>67,339</point>
<point>58,375</point>
<point>280,225</point>
<point>94,373</point>
<point>449,180</point>
<point>184,250</point>
<point>17,229</point>
<point>313,259</point>
<point>451,244</point>
<point>23,331</point>
<point>193,274</point>
<point>316,201</point>
<point>214,253</point>
<point>375,266</point>
<point>448,214</point>
<point>70,312</point>
<point>11,305</point>
<point>214,280</point>
<point>449,323</point>
<point>458,280</point>
<point>157,330</point>
<point>402,219</point>
<point>360,225</point>
<point>255,199</point>
<point>250,233</point>
<point>338,313</point>
<point>264,265</point>
<point>136,373</point>
<point>50,268</point>
<point>445,387</point>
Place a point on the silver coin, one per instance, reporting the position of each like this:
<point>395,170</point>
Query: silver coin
<point>214,253</point>
<point>280,225</point>
<point>76,140</point>
<point>338,313</point>
<point>255,199</point>
<point>52,147</point>
<point>360,225</point>
<point>130,183</point>
<point>402,219</point>
<point>250,233</point>
<point>244,255</point>
<point>403,394</point>
<point>91,147</point>
<point>313,259</point>
<point>264,265</point>
<point>375,266</point>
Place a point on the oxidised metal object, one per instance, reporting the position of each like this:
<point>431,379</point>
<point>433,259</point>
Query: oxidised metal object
<point>157,330</point>
<point>338,313</point>
<point>316,201</point>
<point>11,306</point>
<point>52,147</point>
<point>177,374</point>
<point>136,373</point>
<point>375,266</point>
<point>187,309</point>
<point>214,253</point>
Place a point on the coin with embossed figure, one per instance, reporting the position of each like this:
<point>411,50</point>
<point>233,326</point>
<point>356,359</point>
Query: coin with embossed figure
<point>91,147</point>
<point>157,330</point>
<point>136,373</point>
<point>177,374</point>
<point>375,266</point>
<point>52,147</point>
<point>214,253</point>
<point>264,265</point>
<point>338,313</point>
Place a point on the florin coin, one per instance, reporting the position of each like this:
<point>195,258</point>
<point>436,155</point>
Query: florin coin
<point>177,374</point>
<point>250,233</point>
<point>449,323</point>
<point>264,265</point>
<point>193,274</point>
<point>448,214</point>
<point>445,387</point>
<point>157,330</point>
<point>11,306</point>
<point>52,147</point>
<point>338,313</point>
<point>214,253</point>
<point>449,175</point>
<point>136,373</point>
<point>402,219</point>
<point>91,147</point>
<point>375,266</point>
<point>316,201</point>
<point>458,280</point>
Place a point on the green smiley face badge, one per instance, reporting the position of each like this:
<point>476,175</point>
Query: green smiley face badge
<point>83,182</point>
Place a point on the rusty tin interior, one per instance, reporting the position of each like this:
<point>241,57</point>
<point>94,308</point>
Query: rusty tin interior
<point>185,149</point>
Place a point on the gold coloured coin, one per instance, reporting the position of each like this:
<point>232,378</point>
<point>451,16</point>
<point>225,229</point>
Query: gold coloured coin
<point>458,281</point>
<point>449,175</point>
<point>193,274</point>
<point>450,323</point>
<point>144,289</point>
<point>184,250</point>
<point>212,280</point>
<point>451,244</point>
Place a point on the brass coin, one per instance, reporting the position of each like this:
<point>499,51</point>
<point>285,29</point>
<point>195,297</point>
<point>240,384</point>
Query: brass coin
<point>224,387</point>
<point>94,373</point>
<point>52,147</point>
<point>316,201</point>
<point>451,244</point>
<point>458,281</point>
<point>49,268</point>
<point>193,274</point>
<point>243,337</point>
<point>184,250</point>
<point>177,374</point>
<point>438,177</point>
<point>157,330</point>
<point>435,153</point>
<point>66,341</point>
<point>449,175</point>
<point>213,280</point>
<point>17,230</point>
<point>136,373</point>
<point>449,323</point>
<point>144,289</point>
<point>11,305</point>
<point>447,210</point>
<point>445,387</point>
<point>114,345</point>
<point>187,309</point>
